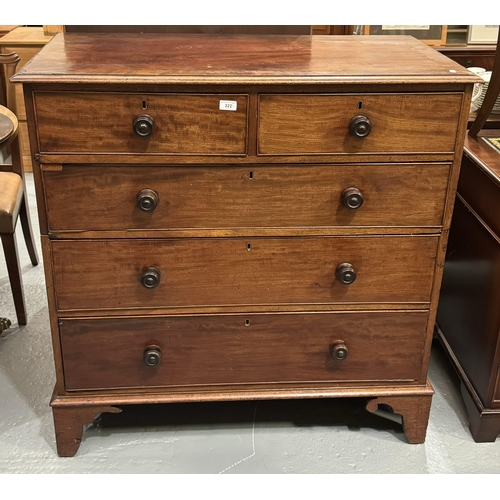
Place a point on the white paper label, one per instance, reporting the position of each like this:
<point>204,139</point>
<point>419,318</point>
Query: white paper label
<point>228,105</point>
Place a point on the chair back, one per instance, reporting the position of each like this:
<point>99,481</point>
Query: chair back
<point>8,65</point>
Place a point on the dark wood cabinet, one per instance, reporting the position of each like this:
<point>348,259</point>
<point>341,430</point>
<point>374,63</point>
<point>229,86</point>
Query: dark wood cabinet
<point>242,217</point>
<point>469,56</point>
<point>468,320</point>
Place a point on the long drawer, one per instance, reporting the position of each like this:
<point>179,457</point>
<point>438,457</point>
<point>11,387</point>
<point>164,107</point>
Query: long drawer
<point>118,197</point>
<point>320,124</point>
<point>242,349</point>
<point>140,273</point>
<point>107,122</point>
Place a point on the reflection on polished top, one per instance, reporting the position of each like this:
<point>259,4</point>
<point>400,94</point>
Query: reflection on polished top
<point>169,58</point>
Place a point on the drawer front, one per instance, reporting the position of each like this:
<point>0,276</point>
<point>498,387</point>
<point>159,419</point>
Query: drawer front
<point>253,349</point>
<point>319,124</point>
<point>104,123</point>
<point>229,197</point>
<point>107,274</point>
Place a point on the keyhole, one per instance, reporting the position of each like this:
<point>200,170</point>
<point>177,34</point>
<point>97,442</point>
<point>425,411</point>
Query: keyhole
<point>249,247</point>
<point>360,104</point>
<point>247,322</point>
<point>144,105</point>
<point>250,175</point>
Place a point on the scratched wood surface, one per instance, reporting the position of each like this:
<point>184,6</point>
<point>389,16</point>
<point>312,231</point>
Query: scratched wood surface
<point>269,348</point>
<point>134,58</point>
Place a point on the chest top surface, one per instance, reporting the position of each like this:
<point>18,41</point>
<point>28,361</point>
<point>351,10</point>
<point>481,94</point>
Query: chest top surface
<point>243,59</point>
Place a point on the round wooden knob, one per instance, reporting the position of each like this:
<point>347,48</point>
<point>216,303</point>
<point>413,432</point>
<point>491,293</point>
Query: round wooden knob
<point>152,355</point>
<point>143,125</point>
<point>360,126</point>
<point>150,278</point>
<point>340,351</point>
<point>352,198</point>
<point>147,200</point>
<point>345,273</point>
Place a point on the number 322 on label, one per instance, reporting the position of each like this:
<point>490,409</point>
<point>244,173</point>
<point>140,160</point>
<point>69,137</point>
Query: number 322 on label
<point>228,105</point>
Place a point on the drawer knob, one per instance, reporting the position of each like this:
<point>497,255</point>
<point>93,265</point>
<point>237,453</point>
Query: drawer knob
<point>152,355</point>
<point>352,198</point>
<point>345,273</point>
<point>150,278</point>
<point>340,351</point>
<point>143,125</point>
<point>147,200</point>
<point>360,126</point>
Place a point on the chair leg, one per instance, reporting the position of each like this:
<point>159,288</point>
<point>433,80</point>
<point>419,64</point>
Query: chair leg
<point>17,167</point>
<point>5,324</point>
<point>28,231</point>
<point>15,276</point>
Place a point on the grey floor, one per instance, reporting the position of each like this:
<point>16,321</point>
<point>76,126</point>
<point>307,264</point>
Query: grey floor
<point>287,437</point>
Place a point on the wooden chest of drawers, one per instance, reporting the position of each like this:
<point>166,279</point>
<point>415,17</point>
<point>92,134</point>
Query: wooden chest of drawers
<point>235,217</point>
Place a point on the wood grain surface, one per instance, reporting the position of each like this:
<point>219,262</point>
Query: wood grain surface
<point>319,124</point>
<point>134,58</point>
<point>183,123</point>
<point>94,198</point>
<point>242,349</point>
<point>104,274</point>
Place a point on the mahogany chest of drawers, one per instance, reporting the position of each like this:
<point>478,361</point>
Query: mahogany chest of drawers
<point>242,217</point>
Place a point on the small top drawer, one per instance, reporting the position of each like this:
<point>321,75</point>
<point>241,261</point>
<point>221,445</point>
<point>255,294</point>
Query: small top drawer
<point>357,123</point>
<point>141,123</point>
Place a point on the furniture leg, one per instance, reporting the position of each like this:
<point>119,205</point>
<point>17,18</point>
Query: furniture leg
<point>484,426</point>
<point>5,324</point>
<point>28,232</point>
<point>17,163</point>
<point>414,411</point>
<point>69,422</point>
<point>15,276</point>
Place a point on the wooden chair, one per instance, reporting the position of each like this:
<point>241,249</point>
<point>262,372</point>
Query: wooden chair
<point>13,198</point>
